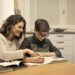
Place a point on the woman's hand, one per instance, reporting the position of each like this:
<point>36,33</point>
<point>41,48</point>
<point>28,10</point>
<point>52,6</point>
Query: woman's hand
<point>32,53</point>
<point>33,59</point>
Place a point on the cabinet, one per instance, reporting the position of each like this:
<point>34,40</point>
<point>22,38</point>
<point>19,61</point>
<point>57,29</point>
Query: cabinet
<point>57,12</point>
<point>65,43</point>
<point>74,48</point>
<point>54,11</point>
<point>70,12</point>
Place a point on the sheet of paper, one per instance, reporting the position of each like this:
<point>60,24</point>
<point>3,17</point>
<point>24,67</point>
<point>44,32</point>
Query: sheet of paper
<point>10,63</point>
<point>47,60</point>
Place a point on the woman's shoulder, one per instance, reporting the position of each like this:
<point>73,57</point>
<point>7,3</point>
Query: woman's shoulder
<point>1,35</point>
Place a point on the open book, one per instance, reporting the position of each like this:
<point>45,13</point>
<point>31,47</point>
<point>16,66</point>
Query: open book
<point>10,66</point>
<point>16,63</point>
<point>5,69</point>
<point>53,60</point>
<point>49,60</point>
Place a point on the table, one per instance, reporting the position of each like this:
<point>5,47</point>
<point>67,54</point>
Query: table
<point>64,68</point>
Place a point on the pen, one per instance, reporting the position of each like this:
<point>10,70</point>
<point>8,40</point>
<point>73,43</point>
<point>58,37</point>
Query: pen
<point>38,54</point>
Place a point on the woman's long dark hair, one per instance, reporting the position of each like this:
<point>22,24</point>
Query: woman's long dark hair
<point>11,21</point>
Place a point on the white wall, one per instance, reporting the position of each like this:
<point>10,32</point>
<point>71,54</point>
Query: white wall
<point>24,6</point>
<point>6,9</point>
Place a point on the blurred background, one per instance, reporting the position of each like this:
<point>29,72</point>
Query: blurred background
<point>59,13</point>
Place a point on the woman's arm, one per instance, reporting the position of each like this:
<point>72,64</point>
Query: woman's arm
<point>8,54</point>
<point>34,59</point>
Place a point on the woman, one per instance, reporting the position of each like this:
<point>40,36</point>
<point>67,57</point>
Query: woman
<point>12,30</point>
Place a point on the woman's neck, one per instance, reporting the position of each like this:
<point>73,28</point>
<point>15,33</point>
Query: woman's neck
<point>10,37</point>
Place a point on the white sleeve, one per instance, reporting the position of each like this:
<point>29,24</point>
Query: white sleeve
<point>8,55</point>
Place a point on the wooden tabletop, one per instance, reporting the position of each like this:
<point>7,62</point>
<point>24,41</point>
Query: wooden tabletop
<point>64,68</point>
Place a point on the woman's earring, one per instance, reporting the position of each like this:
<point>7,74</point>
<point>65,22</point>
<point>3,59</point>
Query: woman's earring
<point>7,32</point>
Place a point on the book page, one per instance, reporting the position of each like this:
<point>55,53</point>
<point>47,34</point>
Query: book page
<point>5,69</point>
<point>10,63</point>
<point>48,60</point>
<point>53,60</point>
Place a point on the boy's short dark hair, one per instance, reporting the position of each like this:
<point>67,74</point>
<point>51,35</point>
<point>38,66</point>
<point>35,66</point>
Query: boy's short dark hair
<point>42,25</point>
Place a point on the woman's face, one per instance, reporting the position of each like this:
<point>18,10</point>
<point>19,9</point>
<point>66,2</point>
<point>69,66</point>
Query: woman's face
<point>17,29</point>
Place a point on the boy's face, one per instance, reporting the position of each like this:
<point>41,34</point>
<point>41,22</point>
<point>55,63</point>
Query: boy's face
<point>41,35</point>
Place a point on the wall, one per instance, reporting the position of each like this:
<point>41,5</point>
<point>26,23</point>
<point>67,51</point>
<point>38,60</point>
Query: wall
<point>6,9</point>
<point>59,13</point>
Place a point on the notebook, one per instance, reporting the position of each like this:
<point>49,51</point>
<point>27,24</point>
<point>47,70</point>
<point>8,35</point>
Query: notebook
<point>13,65</point>
<point>17,63</point>
<point>5,69</point>
<point>48,60</point>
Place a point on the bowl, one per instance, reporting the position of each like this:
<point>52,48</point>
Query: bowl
<point>59,30</point>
